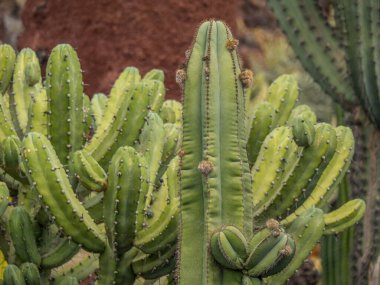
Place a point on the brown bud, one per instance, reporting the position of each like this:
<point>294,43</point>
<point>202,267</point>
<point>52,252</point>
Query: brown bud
<point>246,78</point>
<point>180,77</point>
<point>272,224</point>
<point>231,44</point>
<point>181,153</point>
<point>286,251</point>
<point>205,167</point>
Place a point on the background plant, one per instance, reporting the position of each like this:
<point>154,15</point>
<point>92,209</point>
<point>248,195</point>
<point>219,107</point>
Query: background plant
<point>340,51</point>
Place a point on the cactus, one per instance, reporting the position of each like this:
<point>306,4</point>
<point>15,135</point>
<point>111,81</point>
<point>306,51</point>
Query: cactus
<point>215,178</point>
<point>343,59</point>
<point>119,183</point>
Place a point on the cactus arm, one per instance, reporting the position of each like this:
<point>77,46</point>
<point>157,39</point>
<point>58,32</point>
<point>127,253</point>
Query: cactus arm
<point>171,112</point>
<point>39,113</point>
<point>125,274</point>
<point>27,83</point>
<point>31,273</point>
<point>98,106</point>
<point>155,74</point>
<point>151,145</point>
<point>345,216</point>
<point>55,250</point>
<point>262,123</point>
<point>306,230</point>
<point>89,172</point>
<point>7,64</point>
<point>310,51</point>
<point>122,197</point>
<point>6,126</point>
<point>312,158</point>
<point>23,237</point>
<point>13,275</point>
<point>150,266</point>
<point>332,174</point>
<point>64,88</point>
<point>50,179</point>
<point>160,231</point>
<point>4,197</point>
<point>80,267</point>
<point>283,94</point>
<point>107,267</point>
<point>275,162</point>
<point>122,122</point>
<point>156,94</point>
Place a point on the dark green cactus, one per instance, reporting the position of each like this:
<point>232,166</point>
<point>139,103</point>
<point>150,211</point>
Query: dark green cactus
<point>340,51</point>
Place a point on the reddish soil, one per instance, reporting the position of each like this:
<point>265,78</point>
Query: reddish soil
<point>112,34</point>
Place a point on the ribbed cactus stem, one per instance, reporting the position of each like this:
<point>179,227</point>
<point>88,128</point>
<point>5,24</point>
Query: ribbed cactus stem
<point>215,174</point>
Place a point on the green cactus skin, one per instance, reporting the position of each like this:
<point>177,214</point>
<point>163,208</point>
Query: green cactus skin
<point>345,216</point>
<point>277,158</point>
<point>215,178</point>
<point>160,214</point>
<point>127,182</point>
<point>332,174</point>
<point>89,172</point>
<point>98,106</point>
<point>304,175</point>
<point>306,230</point>
<point>151,145</point>
<point>303,132</point>
<point>107,267</point>
<point>172,143</point>
<point>315,49</point>
<point>261,126</point>
<point>7,63</point>
<point>50,180</point>
<point>23,237</point>
<point>125,274</point>
<point>229,247</point>
<point>27,83</point>
<point>55,250</point>
<point>171,112</point>
<point>123,119</point>
<point>156,94</point>
<point>39,120</point>
<point>271,256</point>
<point>283,95</point>
<point>31,273</point>
<point>64,89</point>
<point>11,160</point>
<point>13,275</point>
<point>87,117</point>
<point>80,269</point>
<point>156,265</point>
<point>6,126</point>
<point>67,280</point>
<point>155,74</point>
<point>302,112</point>
<point>4,197</point>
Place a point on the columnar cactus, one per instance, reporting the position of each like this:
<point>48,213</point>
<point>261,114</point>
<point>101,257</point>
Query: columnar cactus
<point>229,197</point>
<point>340,51</point>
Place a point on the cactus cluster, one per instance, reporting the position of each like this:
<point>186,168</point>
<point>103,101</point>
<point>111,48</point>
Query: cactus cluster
<point>339,48</point>
<point>252,200</point>
<point>93,180</point>
<point>134,187</point>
